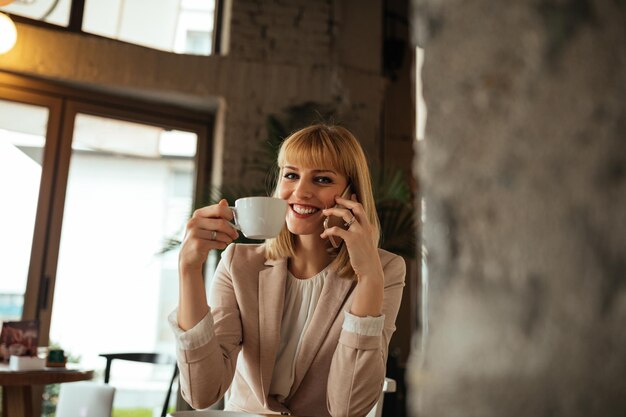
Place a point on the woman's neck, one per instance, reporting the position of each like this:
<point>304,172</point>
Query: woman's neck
<point>310,257</point>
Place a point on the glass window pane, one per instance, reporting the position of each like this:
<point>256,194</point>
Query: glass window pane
<point>56,12</point>
<point>22,138</point>
<point>181,26</point>
<point>130,187</point>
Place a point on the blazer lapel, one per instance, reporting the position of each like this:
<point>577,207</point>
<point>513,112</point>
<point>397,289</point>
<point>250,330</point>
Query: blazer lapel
<point>331,299</point>
<point>271,300</point>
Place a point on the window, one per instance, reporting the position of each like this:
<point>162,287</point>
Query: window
<point>180,26</point>
<point>197,42</point>
<point>56,12</point>
<point>124,198</point>
<point>90,192</point>
<point>23,130</point>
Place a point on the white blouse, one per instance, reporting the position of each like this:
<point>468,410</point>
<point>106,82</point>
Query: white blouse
<point>301,296</point>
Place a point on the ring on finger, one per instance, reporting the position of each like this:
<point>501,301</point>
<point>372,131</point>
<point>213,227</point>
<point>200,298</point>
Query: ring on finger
<point>213,235</point>
<point>349,223</point>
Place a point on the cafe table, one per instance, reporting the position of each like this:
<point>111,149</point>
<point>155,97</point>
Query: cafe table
<point>17,386</point>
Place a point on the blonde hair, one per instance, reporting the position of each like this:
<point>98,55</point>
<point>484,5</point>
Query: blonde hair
<point>331,147</point>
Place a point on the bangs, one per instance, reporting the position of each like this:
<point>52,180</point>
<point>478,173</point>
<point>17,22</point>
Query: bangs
<point>316,149</point>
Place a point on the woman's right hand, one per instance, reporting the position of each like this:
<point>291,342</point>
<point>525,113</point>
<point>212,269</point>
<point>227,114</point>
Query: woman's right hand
<point>208,228</point>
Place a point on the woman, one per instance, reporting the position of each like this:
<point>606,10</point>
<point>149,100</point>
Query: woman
<point>298,326</point>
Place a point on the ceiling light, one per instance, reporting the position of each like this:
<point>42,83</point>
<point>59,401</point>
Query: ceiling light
<point>8,33</point>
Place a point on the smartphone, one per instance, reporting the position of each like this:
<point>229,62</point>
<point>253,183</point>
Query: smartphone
<point>332,221</point>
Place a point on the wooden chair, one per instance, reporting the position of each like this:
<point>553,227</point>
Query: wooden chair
<point>153,358</point>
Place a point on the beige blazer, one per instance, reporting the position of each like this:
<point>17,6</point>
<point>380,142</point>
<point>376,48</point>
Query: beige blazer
<point>337,372</point>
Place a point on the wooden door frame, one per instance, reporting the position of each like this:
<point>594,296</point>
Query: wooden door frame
<point>40,232</point>
<point>64,103</point>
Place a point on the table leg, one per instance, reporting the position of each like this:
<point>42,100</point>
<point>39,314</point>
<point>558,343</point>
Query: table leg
<point>16,401</point>
<point>37,399</point>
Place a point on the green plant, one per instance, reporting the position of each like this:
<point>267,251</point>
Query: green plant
<point>395,211</point>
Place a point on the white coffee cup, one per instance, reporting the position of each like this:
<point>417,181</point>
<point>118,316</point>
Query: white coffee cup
<point>259,217</point>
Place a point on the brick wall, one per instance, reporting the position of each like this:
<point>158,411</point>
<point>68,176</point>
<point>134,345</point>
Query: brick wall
<point>296,33</point>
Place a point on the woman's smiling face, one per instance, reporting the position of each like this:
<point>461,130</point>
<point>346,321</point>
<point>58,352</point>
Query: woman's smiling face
<point>309,190</point>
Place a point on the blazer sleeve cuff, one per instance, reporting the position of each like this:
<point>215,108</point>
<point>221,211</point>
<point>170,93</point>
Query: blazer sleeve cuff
<point>365,326</point>
<point>359,341</point>
<point>199,335</point>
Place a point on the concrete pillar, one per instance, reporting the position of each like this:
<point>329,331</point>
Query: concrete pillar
<point>523,170</point>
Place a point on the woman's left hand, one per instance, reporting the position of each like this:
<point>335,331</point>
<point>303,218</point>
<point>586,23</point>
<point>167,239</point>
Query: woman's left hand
<point>358,237</point>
